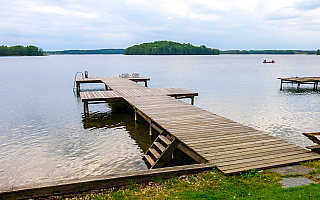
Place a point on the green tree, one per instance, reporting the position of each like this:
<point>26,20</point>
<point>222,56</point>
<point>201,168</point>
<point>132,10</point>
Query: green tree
<point>318,52</point>
<point>4,50</point>
<point>169,48</point>
<point>32,50</point>
<point>20,50</point>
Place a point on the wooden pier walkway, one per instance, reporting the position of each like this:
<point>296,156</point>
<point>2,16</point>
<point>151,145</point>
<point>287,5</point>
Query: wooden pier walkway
<point>204,136</point>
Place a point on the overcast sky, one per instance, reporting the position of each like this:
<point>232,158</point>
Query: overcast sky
<point>222,24</point>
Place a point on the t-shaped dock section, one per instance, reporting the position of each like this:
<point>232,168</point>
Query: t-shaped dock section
<point>204,136</point>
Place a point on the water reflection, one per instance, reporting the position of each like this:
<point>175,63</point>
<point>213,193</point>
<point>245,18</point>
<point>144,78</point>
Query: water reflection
<point>294,91</point>
<point>120,116</point>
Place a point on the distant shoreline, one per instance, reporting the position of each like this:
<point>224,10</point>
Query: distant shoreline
<point>85,52</point>
<point>232,52</point>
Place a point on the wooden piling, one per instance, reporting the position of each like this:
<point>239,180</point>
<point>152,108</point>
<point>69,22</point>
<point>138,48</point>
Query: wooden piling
<point>86,107</point>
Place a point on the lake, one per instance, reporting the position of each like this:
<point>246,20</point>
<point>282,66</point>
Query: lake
<point>45,135</point>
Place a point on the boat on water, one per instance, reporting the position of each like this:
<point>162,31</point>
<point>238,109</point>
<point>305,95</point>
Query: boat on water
<point>265,61</point>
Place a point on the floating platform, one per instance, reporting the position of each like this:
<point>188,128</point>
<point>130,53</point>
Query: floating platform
<point>301,80</point>
<point>204,136</point>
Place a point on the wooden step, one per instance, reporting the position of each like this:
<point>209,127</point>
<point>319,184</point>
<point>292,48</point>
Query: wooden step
<point>155,153</point>
<point>315,148</point>
<point>149,159</point>
<point>164,139</point>
<point>159,146</point>
<point>166,154</point>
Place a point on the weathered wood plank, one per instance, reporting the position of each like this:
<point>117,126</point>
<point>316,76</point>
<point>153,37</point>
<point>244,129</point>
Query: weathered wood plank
<point>241,162</point>
<point>290,159</point>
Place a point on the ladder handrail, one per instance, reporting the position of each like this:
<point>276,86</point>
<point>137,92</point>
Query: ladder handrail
<point>75,78</point>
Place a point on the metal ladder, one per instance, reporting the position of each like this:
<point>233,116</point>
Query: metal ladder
<point>75,78</point>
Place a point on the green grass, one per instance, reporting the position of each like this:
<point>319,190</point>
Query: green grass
<point>213,184</point>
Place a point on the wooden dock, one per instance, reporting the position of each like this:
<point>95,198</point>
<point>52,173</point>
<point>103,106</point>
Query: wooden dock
<point>301,80</point>
<point>204,136</point>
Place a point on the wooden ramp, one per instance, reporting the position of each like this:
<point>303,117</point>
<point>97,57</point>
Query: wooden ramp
<point>204,136</point>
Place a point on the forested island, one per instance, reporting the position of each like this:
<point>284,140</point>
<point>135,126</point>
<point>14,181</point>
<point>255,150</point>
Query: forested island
<point>94,51</point>
<point>20,50</point>
<point>169,48</point>
<point>283,52</point>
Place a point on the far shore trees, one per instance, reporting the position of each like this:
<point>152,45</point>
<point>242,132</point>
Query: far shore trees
<point>20,50</point>
<point>318,52</point>
<point>169,48</point>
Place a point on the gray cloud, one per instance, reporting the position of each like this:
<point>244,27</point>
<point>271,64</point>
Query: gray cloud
<point>308,5</point>
<point>68,24</point>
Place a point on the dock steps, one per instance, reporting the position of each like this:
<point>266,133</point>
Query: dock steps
<point>160,150</point>
<point>313,138</point>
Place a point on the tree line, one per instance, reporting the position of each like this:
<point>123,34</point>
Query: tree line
<point>95,51</point>
<point>169,48</point>
<point>268,52</point>
<point>20,50</point>
<point>318,52</point>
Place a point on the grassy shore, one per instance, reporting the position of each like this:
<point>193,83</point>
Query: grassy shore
<point>213,184</point>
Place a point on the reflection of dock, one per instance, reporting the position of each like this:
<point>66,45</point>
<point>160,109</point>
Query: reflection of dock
<point>301,80</point>
<point>124,120</point>
<point>204,136</point>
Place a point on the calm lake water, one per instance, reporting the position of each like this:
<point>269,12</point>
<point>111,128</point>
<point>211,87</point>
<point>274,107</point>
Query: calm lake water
<point>45,137</point>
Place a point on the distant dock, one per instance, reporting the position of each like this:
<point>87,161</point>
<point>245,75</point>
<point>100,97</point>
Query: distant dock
<point>204,136</point>
<point>301,80</point>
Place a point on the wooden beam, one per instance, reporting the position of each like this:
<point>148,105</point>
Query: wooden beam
<point>312,137</point>
<point>143,115</point>
<point>185,149</point>
<point>156,128</point>
<point>99,182</point>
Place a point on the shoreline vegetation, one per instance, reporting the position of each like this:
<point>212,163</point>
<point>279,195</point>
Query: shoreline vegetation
<point>82,52</point>
<point>279,52</point>
<point>20,50</point>
<point>152,48</point>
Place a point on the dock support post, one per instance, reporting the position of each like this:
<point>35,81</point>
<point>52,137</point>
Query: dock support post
<point>192,100</point>
<point>106,87</point>
<point>150,130</point>
<point>298,86</point>
<point>281,84</point>
<point>86,107</point>
<point>146,83</point>
<point>315,86</point>
<point>135,115</point>
<point>78,87</point>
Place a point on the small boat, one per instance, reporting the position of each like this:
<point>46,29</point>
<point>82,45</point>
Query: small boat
<point>265,61</point>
